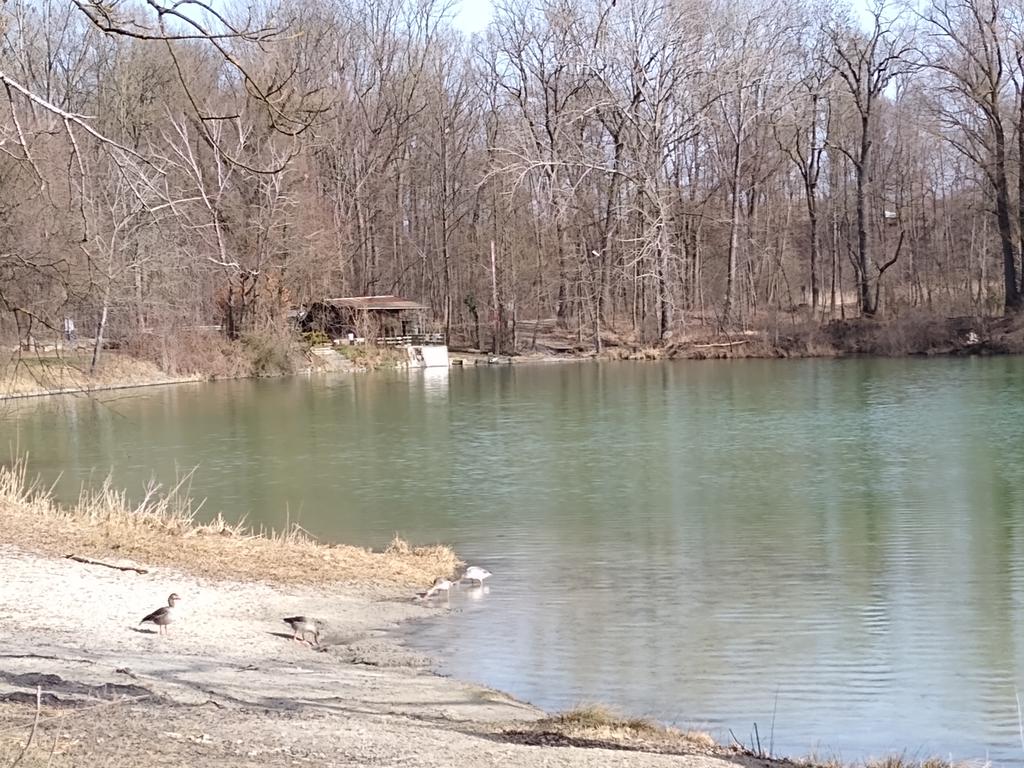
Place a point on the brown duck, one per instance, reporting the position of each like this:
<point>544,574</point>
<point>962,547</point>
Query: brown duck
<point>163,617</point>
<point>301,625</point>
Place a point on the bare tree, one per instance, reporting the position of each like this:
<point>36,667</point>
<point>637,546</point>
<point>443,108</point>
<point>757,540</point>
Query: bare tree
<point>970,56</point>
<point>866,64</point>
<point>802,132</point>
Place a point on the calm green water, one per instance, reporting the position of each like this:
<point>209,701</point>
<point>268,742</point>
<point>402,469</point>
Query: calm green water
<point>835,542</point>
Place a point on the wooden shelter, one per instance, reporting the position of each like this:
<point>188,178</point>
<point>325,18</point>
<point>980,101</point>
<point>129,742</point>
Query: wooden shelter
<point>380,318</point>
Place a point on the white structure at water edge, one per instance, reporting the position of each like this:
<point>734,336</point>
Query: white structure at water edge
<point>427,355</point>
<point>385,321</point>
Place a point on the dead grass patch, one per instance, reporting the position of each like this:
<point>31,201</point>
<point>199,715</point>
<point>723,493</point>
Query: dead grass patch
<point>265,351</point>
<point>371,357</point>
<point>127,734</point>
<point>893,761</point>
<point>598,727</point>
<point>163,530</point>
<point>27,373</point>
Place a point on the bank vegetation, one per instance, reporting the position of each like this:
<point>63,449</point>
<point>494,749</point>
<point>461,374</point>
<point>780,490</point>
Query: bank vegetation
<point>163,528</point>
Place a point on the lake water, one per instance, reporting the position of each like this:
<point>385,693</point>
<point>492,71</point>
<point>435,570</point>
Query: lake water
<point>833,546</point>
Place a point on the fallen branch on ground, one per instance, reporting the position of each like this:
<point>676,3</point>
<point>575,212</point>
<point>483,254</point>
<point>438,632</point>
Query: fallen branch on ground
<point>87,561</point>
<point>721,344</point>
<point>35,727</point>
<point>47,657</point>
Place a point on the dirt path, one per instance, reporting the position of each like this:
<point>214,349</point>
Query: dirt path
<point>228,688</point>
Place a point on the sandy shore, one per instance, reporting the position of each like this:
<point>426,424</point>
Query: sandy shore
<point>228,687</point>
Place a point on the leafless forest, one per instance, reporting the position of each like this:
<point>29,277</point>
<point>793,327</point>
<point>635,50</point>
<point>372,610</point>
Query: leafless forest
<point>639,167</point>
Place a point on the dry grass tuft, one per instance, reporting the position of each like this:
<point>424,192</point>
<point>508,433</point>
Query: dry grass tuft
<point>398,546</point>
<point>370,357</point>
<point>594,717</point>
<point>900,761</point>
<point>27,373</point>
<point>163,530</point>
<point>892,761</point>
<point>596,726</point>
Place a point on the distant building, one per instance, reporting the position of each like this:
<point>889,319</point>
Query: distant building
<point>376,318</point>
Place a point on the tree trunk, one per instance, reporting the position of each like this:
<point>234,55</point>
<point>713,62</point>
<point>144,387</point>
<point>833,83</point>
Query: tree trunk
<point>664,301</point>
<point>140,304</point>
<point>231,329</point>
<point>1020,180</point>
<point>474,317</point>
<point>100,328</point>
<point>562,306</point>
<point>867,308</point>
<point>734,237</point>
<point>447,289</point>
<point>1011,290</point>
<point>812,225</point>
<point>496,332</point>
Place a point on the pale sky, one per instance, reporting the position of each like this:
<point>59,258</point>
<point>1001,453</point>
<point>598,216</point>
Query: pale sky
<point>472,15</point>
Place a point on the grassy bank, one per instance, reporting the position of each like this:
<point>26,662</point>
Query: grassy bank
<point>193,357</point>
<point>796,337</point>
<point>206,355</point>
<point>64,737</point>
<point>163,530</point>
<point>916,335</point>
<point>26,375</point>
<point>188,355</point>
<point>601,728</point>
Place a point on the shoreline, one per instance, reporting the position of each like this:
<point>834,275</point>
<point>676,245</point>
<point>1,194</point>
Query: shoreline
<point>838,339</point>
<point>229,687</point>
<point>644,356</point>
<point>229,668</point>
<point>102,388</point>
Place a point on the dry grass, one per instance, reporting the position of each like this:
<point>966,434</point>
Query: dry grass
<point>370,357</point>
<point>55,737</point>
<point>163,530</point>
<point>270,350</point>
<point>893,761</point>
<point>903,762</point>
<point>775,335</point>
<point>129,734</point>
<point>28,374</point>
<point>597,726</point>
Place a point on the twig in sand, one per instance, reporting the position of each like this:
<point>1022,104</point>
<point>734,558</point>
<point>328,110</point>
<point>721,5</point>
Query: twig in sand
<point>35,726</point>
<point>56,740</point>
<point>87,561</point>
<point>45,656</point>
<point>80,711</point>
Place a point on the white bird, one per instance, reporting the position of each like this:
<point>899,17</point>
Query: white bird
<point>162,617</point>
<point>477,574</point>
<point>441,584</point>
